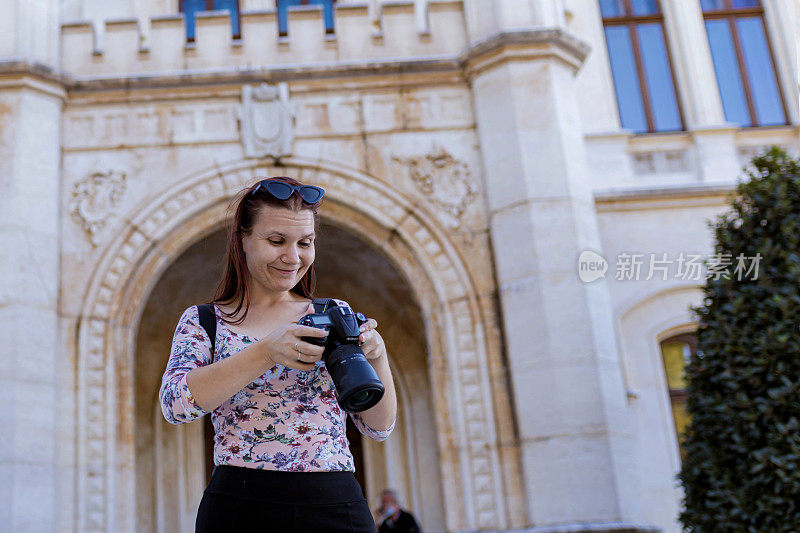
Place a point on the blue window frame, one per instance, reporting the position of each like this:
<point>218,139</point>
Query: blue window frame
<point>190,7</point>
<point>283,13</point>
<point>743,62</point>
<point>641,66</point>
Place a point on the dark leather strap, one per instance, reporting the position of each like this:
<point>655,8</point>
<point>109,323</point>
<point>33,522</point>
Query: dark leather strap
<point>320,304</point>
<point>208,319</point>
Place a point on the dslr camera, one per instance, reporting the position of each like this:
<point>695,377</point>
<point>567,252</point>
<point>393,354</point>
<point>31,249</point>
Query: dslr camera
<point>357,384</point>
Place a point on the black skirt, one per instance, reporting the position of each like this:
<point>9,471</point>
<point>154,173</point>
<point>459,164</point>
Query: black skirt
<point>247,499</point>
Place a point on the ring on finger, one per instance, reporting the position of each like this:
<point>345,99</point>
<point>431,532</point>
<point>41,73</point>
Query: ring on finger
<point>298,349</point>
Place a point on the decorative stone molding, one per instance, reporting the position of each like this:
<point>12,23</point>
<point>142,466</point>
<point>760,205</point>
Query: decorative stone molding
<point>170,221</point>
<point>661,162</point>
<point>149,124</point>
<point>267,121</point>
<point>444,181</point>
<point>94,199</point>
<point>525,45</point>
<point>34,76</point>
<point>674,197</point>
<point>203,120</point>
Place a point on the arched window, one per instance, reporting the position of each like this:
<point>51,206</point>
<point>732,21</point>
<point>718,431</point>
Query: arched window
<point>743,61</point>
<point>641,66</point>
<point>675,354</point>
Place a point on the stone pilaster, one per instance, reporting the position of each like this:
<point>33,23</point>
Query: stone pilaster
<point>563,358</point>
<point>32,364</point>
<point>29,31</point>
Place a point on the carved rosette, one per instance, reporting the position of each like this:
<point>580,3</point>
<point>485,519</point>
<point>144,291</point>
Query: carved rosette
<point>94,199</point>
<point>445,181</point>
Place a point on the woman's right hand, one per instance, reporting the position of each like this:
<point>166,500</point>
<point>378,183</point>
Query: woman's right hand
<point>284,347</point>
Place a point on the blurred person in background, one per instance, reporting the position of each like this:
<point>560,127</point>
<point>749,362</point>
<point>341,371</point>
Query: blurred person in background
<point>392,518</point>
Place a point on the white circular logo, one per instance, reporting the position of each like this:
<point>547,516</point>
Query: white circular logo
<point>591,266</point>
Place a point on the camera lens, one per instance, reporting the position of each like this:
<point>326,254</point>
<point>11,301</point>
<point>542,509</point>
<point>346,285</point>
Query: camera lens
<point>360,398</point>
<point>363,399</point>
<point>356,382</point>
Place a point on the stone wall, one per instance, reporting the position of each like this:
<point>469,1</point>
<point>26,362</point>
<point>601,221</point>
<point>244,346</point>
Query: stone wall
<point>470,150</point>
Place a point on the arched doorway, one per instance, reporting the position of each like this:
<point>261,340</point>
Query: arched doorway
<point>479,482</point>
<point>174,463</point>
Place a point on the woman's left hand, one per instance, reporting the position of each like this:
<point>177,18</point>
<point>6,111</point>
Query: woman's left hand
<point>371,341</point>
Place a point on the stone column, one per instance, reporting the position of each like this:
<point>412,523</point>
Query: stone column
<point>568,390</point>
<point>31,98</point>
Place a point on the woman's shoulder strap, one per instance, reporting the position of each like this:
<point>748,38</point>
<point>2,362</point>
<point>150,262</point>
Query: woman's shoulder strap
<point>323,304</point>
<point>208,319</point>
<point>320,304</point>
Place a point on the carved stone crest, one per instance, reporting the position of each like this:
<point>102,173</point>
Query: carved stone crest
<point>267,121</point>
<point>94,199</point>
<point>446,180</point>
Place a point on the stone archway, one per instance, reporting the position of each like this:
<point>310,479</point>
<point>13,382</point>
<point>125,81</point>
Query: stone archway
<point>457,334</point>
<point>172,463</point>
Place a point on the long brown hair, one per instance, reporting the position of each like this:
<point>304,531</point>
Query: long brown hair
<point>234,285</point>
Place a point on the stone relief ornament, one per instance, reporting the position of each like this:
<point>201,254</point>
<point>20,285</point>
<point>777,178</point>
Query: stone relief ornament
<point>94,198</point>
<point>267,121</point>
<point>445,180</point>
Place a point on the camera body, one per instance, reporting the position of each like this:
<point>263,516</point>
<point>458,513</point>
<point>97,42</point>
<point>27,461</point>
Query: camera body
<point>357,384</point>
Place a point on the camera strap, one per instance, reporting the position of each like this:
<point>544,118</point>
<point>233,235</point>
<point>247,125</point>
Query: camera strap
<point>321,304</point>
<point>208,319</point>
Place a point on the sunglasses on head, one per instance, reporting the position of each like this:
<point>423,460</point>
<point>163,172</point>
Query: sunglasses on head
<point>282,191</point>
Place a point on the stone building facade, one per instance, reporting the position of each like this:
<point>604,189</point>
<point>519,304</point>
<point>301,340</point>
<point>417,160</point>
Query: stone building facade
<point>471,151</point>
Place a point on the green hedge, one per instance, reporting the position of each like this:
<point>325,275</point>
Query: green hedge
<point>742,466</point>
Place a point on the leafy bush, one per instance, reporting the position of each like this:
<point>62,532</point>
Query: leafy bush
<point>741,470</point>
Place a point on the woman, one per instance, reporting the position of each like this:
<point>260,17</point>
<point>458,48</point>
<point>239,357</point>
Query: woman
<point>282,458</point>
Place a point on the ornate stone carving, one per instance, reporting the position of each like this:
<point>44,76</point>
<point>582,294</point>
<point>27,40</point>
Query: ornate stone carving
<point>267,121</point>
<point>94,199</point>
<point>446,181</point>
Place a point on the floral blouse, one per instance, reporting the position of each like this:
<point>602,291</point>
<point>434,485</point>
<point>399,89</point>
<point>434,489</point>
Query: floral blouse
<point>286,419</point>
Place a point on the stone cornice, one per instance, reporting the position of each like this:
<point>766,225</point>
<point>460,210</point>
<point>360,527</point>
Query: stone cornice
<point>270,75</point>
<point>524,45</point>
<point>36,76</point>
<point>649,198</point>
